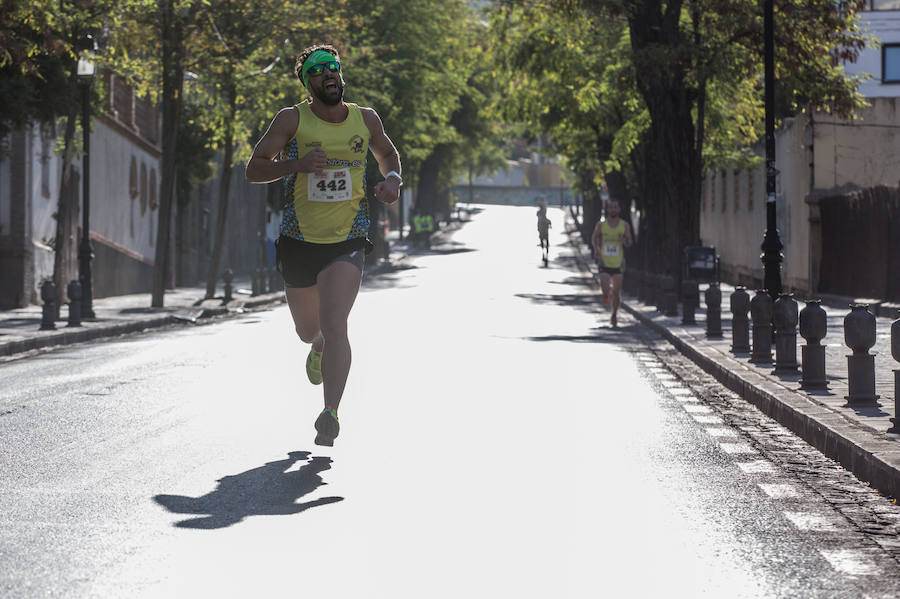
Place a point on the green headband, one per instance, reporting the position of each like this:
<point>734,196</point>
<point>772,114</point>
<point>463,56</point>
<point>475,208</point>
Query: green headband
<point>313,59</point>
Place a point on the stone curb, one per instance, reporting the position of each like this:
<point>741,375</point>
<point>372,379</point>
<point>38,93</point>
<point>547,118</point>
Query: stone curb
<point>867,453</point>
<point>67,336</point>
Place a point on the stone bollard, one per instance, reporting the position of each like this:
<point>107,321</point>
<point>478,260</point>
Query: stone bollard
<point>227,277</point>
<point>690,301</point>
<point>895,352</point>
<point>813,327</point>
<point>785,318</point>
<point>671,297</point>
<point>254,282</point>
<point>48,310</point>
<point>74,293</point>
<point>644,289</point>
<point>761,314</point>
<point>713,298</point>
<point>740,323</point>
<point>659,292</point>
<point>859,335</point>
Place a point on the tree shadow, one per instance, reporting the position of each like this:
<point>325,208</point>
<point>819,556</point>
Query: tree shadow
<point>269,490</point>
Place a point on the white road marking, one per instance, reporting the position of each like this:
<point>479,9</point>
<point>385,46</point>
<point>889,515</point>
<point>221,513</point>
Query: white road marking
<point>704,419</point>
<point>850,561</point>
<point>757,467</point>
<point>779,491</point>
<point>681,391</point>
<point>698,409</point>
<point>721,432</point>
<point>734,448</point>
<point>813,522</point>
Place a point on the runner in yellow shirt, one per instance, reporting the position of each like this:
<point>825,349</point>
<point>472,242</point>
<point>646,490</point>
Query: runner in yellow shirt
<point>319,147</point>
<point>610,238</point>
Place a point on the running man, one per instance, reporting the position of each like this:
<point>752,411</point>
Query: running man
<point>610,238</point>
<point>319,148</point>
<point>543,226</point>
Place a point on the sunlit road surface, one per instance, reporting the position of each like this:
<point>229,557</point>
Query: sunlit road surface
<point>499,440</point>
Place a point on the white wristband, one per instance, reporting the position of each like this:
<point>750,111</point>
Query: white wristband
<point>394,174</point>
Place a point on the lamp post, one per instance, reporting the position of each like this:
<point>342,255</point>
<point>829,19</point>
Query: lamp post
<point>771,246</point>
<point>85,250</point>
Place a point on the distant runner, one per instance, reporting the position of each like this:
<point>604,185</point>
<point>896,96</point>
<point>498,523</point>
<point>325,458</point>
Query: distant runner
<point>543,226</point>
<point>319,148</point>
<point>610,238</point>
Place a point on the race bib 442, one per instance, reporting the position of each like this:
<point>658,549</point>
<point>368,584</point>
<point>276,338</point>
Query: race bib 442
<point>335,186</point>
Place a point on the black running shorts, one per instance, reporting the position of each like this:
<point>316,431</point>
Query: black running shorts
<point>300,262</point>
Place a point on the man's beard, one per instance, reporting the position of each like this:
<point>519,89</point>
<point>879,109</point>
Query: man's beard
<point>330,98</point>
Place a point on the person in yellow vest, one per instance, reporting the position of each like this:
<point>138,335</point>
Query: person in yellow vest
<point>610,238</point>
<point>319,148</point>
<point>428,227</point>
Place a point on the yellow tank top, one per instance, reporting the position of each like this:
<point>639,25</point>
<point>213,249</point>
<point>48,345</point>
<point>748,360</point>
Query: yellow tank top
<point>612,247</point>
<point>333,208</point>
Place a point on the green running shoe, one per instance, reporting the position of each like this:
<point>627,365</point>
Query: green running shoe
<point>314,366</point>
<point>327,427</point>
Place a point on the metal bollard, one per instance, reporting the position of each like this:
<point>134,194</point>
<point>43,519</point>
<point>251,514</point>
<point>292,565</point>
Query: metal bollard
<point>813,327</point>
<point>74,293</point>
<point>859,335</point>
<point>659,292</point>
<point>740,323</point>
<point>254,282</point>
<point>690,301</point>
<point>761,315</point>
<point>713,299</point>
<point>670,297</point>
<point>48,310</point>
<point>895,351</point>
<point>785,318</point>
<point>227,277</point>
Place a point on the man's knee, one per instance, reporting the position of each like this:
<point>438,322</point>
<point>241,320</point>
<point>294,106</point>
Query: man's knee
<point>333,325</point>
<point>307,335</point>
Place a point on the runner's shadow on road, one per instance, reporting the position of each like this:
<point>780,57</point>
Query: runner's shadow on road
<point>269,490</point>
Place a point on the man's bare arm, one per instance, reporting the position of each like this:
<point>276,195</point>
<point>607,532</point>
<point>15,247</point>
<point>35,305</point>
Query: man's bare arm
<point>595,240</point>
<point>387,191</point>
<point>264,167</point>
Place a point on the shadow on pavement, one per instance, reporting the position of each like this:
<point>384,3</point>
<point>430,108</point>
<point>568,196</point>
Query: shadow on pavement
<point>563,299</point>
<point>265,491</point>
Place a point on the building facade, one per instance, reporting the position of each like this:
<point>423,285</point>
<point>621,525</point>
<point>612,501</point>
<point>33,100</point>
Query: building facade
<point>817,155</point>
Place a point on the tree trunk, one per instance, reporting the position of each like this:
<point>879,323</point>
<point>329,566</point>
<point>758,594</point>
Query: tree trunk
<point>224,189</point>
<point>672,164</point>
<point>426,190</point>
<point>172,58</point>
<point>62,240</point>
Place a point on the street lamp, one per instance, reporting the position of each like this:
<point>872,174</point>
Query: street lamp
<point>85,250</point>
<point>771,246</point>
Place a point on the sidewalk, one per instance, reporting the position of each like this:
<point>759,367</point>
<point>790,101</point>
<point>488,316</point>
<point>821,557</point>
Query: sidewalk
<point>20,329</point>
<point>856,437</point>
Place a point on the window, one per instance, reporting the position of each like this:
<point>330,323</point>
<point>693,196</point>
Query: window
<point>884,4</point>
<point>890,63</point>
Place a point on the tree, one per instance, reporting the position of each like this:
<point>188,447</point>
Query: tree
<point>697,68</point>
<point>239,46</point>
<point>41,41</point>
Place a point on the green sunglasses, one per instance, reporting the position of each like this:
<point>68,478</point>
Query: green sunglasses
<point>317,69</point>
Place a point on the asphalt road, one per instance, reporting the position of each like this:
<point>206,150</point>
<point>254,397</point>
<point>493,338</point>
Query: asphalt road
<point>498,440</point>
